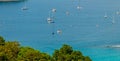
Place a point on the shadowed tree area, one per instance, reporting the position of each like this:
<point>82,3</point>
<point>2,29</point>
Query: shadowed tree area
<point>2,41</point>
<point>12,51</point>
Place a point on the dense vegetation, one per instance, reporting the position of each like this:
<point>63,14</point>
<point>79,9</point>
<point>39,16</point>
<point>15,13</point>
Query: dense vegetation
<point>12,51</point>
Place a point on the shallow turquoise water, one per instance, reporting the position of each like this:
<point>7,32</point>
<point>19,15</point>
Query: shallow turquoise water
<point>79,29</point>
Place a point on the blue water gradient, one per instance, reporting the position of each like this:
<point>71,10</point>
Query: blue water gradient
<point>86,30</point>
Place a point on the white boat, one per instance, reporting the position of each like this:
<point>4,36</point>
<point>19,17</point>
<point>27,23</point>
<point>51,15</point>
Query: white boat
<point>105,16</point>
<point>49,20</point>
<point>53,10</point>
<point>59,31</point>
<point>78,7</point>
<point>24,8</point>
<point>67,13</point>
<point>117,12</point>
<point>113,46</point>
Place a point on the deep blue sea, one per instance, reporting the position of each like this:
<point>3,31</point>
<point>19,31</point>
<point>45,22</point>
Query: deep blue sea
<point>86,29</point>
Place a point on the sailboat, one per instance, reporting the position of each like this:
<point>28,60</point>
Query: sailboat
<point>105,16</point>
<point>53,10</point>
<point>79,7</point>
<point>113,21</point>
<point>59,31</point>
<point>49,20</point>
<point>118,12</point>
<point>24,8</point>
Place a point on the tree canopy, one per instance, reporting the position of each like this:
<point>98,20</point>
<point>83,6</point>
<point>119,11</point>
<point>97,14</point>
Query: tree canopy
<point>12,51</point>
<point>66,53</point>
<point>2,41</point>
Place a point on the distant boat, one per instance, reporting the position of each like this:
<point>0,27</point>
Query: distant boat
<point>49,20</point>
<point>53,10</point>
<point>113,46</point>
<point>105,16</point>
<point>113,20</point>
<point>78,7</point>
<point>24,8</point>
<point>59,31</point>
<point>67,13</point>
<point>118,12</point>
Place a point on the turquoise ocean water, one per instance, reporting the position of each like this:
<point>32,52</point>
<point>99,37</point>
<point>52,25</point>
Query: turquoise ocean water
<point>86,29</point>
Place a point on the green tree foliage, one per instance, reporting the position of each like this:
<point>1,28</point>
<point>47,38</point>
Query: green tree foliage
<point>29,54</point>
<point>3,57</point>
<point>2,41</point>
<point>66,53</point>
<point>66,49</point>
<point>12,51</point>
<point>87,59</point>
<point>9,51</point>
<point>2,54</point>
